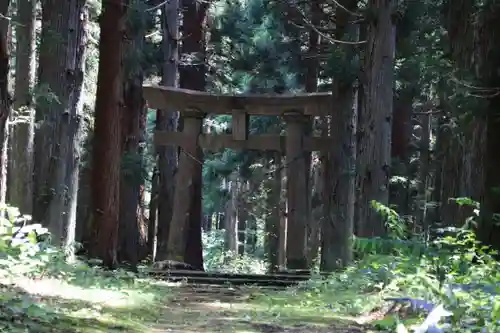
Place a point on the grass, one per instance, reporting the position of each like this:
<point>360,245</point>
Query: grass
<point>92,300</point>
<point>41,292</point>
<point>248,310</point>
<point>56,305</point>
<point>58,297</point>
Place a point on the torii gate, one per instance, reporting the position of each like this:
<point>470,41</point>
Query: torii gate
<point>195,105</point>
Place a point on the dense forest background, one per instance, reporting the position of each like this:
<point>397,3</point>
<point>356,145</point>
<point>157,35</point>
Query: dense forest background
<point>413,125</point>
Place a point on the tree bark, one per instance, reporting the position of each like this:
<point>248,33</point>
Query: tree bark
<point>400,155</point>
<point>273,226</point>
<point>83,233</point>
<point>375,119</point>
<point>75,138</point>
<point>311,85</point>
<point>167,120</point>
<point>314,242</point>
<point>107,134</point>
<point>424,171</point>
<point>461,154</point>
<point>5,99</point>
<point>242,215</point>
<point>192,76</point>
<point>132,247</point>
<point>23,130</point>
<point>60,82</point>
<point>488,52</point>
<point>251,189</point>
<point>338,228</point>
<point>340,162</point>
<point>282,210</point>
<point>232,214</point>
<point>153,215</point>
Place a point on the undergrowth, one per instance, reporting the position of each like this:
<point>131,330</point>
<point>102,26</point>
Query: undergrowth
<point>43,292</point>
<point>453,274</point>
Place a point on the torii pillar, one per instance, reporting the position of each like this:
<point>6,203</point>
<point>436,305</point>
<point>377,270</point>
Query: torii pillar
<point>185,182</point>
<point>296,247</point>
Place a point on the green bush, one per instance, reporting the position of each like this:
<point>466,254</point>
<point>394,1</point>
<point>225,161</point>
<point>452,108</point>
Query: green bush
<point>22,250</point>
<point>453,270</point>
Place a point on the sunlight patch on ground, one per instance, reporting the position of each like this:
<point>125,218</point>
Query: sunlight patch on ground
<point>212,310</point>
<point>56,288</point>
<point>91,304</point>
<point>153,306</point>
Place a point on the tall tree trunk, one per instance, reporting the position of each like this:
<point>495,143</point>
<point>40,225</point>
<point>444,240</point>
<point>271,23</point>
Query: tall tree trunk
<point>192,76</point>
<point>5,100</point>
<point>311,85</point>
<point>274,234</point>
<point>425,146</point>
<point>375,119</point>
<point>167,120</point>
<point>404,95</point>
<point>462,153</point>
<point>232,216</point>
<point>221,219</point>
<point>314,242</point>
<point>75,137</point>
<point>23,130</point>
<point>449,155</point>
<point>488,52</point>
<point>60,81</point>
<point>433,215</point>
<point>153,215</point>
<point>242,215</point>
<point>251,187</point>
<point>107,135</point>
<point>283,210</point>
<point>340,164</point>
<point>83,233</point>
<point>400,142</point>
<point>132,247</point>
<point>338,227</point>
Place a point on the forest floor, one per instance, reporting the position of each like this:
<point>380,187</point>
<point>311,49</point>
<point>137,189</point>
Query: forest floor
<point>126,304</point>
<point>222,309</point>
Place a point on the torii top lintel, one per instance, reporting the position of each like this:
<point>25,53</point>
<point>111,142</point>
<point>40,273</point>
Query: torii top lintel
<point>161,97</point>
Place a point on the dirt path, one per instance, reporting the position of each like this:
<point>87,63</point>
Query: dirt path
<point>222,309</point>
<point>52,305</point>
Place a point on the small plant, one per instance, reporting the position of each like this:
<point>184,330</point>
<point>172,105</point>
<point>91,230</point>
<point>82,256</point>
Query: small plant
<point>450,283</point>
<point>395,224</point>
<point>21,252</point>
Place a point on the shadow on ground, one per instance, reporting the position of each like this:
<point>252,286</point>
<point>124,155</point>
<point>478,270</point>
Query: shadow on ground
<point>222,310</point>
<point>24,312</point>
<point>55,306</point>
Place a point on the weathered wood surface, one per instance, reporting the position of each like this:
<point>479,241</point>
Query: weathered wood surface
<point>254,142</point>
<point>240,123</point>
<point>218,278</point>
<point>160,97</point>
<point>296,175</point>
<point>281,276</point>
<point>185,182</point>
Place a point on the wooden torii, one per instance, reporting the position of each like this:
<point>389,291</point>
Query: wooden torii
<point>195,105</point>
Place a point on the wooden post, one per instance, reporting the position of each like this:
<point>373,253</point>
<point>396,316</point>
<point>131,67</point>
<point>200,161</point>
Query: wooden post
<point>296,249</point>
<point>184,182</point>
<point>240,125</point>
